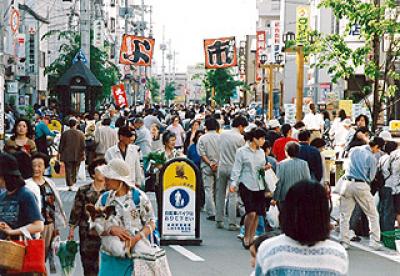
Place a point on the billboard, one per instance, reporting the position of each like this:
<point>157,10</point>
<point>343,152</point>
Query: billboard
<point>220,53</point>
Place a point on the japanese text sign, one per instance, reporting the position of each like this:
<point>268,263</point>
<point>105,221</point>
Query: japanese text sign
<point>220,53</point>
<point>302,24</point>
<point>119,95</point>
<point>136,50</point>
<point>261,45</point>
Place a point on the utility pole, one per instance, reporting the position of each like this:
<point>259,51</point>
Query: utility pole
<point>169,57</point>
<point>84,23</point>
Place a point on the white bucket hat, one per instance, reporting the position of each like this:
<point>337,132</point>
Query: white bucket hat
<point>385,135</point>
<point>274,123</point>
<point>117,169</point>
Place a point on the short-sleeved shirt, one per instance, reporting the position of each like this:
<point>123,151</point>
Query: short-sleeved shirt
<point>18,209</point>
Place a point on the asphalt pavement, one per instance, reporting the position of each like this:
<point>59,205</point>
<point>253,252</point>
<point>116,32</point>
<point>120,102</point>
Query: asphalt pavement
<point>221,253</point>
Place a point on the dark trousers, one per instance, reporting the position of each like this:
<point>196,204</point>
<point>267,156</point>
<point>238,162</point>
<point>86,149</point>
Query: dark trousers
<point>71,170</point>
<point>387,214</point>
<point>89,249</point>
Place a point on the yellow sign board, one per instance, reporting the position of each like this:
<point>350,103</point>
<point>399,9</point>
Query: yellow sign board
<point>302,23</point>
<point>347,106</point>
<point>394,125</point>
<point>179,174</point>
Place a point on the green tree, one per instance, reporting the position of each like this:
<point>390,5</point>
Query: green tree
<point>377,21</point>
<point>170,91</point>
<point>154,87</point>
<point>223,82</point>
<point>104,70</point>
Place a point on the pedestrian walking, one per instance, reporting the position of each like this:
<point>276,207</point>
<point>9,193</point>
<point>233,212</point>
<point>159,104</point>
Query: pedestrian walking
<point>22,138</point>
<point>311,155</point>
<point>128,152</point>
<point>229,142</point>
<point>247,177</point>
<point>177,128</point>
<point>278,148</point>
<point>274,132</point>
<point>89,240</point>
<point>360,172</point>
<point>105,137</point>
<point>72,151</point>
<point>304,247</point>
<point>192,153</point>
<point>314,122</point>
<point>169,142</point>
<point>143,137</point>
<point>42,131</point>
<point>131,224</point>
<point>209,150</point>
<point>156,142</point>
<point>289,172</point>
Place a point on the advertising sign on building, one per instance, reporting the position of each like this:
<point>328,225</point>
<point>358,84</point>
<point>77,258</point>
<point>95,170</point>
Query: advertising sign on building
<point>120,95</point>
<point>261,45</point>
<point>242,60</point>
<point>347,106</point>
<point>20,45</point>
<point>98,33</point>
<point>179,215</point>
<point>220,53</point>
<point>302,24</point>
<point>276,35</point>
<point>136,50</point>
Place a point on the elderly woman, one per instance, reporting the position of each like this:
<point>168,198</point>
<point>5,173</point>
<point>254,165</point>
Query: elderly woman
<point>135,219</point>
<point>49,200</point>
<point>19,211</point>
<point>170,149</point>
<point>89,240</point>
<point>178,130</point>
<point>22,138</point>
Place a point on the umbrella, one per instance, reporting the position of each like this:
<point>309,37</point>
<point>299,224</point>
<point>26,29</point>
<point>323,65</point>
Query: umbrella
<point>66,253</point>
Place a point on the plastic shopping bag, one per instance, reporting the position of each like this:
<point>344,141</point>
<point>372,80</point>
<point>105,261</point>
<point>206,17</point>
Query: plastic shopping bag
<point>273,216</point>
<point>82,171</point>
<point>271,179</point>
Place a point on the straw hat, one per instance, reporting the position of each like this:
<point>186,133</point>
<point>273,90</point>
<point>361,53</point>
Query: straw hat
<point>117,169</point>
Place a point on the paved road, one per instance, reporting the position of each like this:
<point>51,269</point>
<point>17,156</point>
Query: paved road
<point>222,254</point>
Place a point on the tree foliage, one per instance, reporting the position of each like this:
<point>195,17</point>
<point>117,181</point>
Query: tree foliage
<point>377,21</point>
<point>104,70</point>
<point>154,87</point>
<point>223,82</point>
<point>170,91</point>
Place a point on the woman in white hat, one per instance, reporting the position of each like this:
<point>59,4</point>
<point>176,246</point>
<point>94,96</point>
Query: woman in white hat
<point>133,210</point>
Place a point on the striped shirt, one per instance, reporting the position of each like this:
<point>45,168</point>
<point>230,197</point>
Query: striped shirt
<point>282,255</point>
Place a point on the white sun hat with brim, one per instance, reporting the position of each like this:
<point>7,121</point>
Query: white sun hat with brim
<point>117,169</point>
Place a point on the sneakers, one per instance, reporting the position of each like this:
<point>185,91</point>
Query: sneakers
<point>220,225</point>
<point>212,218</point>
<point>377,246</point>
<point>233,227</point>
<point>345,245</point>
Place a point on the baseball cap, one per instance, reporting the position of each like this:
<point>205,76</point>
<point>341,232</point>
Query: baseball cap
<point>8,165</point>
<point>125,131</point>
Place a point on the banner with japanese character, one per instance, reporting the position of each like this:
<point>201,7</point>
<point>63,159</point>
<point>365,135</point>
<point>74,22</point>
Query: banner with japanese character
<point>261,46</point>
<point>120,95</point>
<point>136,50</point>
<point>220,53</point>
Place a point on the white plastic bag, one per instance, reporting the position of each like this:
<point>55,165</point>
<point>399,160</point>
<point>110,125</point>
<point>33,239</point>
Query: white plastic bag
<point>273,216</point>
<point>82,171</point>
<point>271,179</point>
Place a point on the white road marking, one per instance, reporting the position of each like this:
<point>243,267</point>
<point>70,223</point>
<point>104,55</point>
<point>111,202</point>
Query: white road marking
<point>188,254</point>
<point>386,253</point>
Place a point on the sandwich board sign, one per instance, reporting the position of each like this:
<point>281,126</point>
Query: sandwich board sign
<point>179,211</point>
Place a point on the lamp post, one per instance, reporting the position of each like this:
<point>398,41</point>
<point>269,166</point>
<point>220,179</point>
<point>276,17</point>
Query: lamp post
<point>263,60</point>
<point>290,47</point>
<point>270,67</point>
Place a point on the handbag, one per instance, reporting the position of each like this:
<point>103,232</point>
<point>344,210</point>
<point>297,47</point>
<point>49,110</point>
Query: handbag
<point>151,260</point>
<point>34,259</point>
<point>11,255</point>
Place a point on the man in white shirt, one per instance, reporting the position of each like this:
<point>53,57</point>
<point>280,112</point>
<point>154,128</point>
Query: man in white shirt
<point>124,150</point>
<point>105,137</point>
<point>314,122</point>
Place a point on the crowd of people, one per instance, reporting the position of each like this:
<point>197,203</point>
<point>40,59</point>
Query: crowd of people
<point>248,166</point>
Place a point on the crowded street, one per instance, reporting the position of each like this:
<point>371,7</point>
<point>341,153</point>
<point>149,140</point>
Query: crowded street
<point>175,138</point>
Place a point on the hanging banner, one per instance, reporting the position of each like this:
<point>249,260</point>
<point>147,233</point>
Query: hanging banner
<point>179,215</point>
<point>242,60</point>
<point>261,45</point>
<point>302,24</point>
<point>120,95</point>
<point>136,50</point>
<point>276,35</point>
<point>220,53</point>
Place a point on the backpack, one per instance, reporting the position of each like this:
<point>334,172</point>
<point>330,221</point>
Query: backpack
<point>136,201</point>
<point>379,180</point>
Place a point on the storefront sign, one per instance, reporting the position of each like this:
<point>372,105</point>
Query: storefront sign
<point>347,106</point>
<point>302,24</point>
<point>261,45</point>
<point>220,52</point>
<point>242,60</point>
<point>15,20</point>
<point>120,95</point>
<point>20,45</point>
<point>394,125</point>
<point>276,34</point>
<point>179,212</point>
<point>136,50</point>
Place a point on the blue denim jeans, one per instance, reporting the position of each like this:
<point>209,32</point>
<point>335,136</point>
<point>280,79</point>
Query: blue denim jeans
<point>387,214</point>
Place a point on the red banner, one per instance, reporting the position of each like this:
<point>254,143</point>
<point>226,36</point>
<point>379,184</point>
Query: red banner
<point>136,50</point>
<point>120,95</point>
<point>261,44</point>
<point>220,53</point>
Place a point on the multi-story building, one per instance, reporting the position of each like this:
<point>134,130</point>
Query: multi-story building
<point>195,76</point>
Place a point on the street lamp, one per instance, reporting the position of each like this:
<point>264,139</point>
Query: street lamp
<point>263,60</point>
<point>290,47</point>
